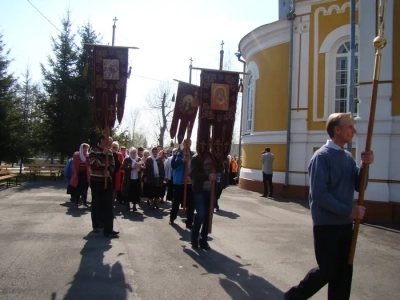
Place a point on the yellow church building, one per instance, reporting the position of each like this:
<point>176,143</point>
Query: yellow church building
<point>320,84</point>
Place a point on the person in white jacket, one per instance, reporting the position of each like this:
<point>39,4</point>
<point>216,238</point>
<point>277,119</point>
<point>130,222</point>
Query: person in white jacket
<point>168,178</point>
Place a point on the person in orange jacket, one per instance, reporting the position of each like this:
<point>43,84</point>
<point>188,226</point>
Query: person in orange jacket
<point>233,170</point>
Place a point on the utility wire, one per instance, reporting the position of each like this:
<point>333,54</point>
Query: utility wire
<point>172,83</point>
<point>88,54</point>
<point>44,16</point>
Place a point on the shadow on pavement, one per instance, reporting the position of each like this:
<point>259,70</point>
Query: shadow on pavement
<point>95,279</point>
<point>238,282</point>
<point>137,216</point>
<point>184,233</point>
<point>73,211</point>
<point>303,203</point>
<point>227,214</point>
<point>58,185</point>
<point>160,213</point>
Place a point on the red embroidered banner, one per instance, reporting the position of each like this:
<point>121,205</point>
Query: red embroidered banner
<point>219,91</point>
<point>185,110</point>
<point>110,75</point>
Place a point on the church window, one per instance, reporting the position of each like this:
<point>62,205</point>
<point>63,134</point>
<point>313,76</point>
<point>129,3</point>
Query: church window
<point>342,79</point>
<point>250,105</point>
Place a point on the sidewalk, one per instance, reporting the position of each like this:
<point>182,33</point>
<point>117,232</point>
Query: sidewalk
<point>260,247</point>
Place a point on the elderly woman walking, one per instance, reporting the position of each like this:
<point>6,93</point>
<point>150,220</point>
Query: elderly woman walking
<point>131,184</point>
<point>80,174</point>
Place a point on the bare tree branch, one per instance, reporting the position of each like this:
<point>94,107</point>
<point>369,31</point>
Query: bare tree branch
<point>159,102</point>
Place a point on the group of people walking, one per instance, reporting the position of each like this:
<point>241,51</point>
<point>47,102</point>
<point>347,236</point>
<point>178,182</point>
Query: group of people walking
<point>135,175</point>
<point>334,176</point>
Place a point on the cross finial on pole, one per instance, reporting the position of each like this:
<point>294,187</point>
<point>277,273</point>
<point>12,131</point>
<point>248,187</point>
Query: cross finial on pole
<point>114,26</point>
<point>190,70</point>
<point>221,56</point>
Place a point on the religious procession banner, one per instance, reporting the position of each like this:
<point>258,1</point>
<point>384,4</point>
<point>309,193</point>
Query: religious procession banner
<point>185,110</point>
<point>110,81</point>
<point>219,91</point>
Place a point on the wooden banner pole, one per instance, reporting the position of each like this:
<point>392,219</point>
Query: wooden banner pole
<point>187,158</point>
<point>107,134</point>
<point>212,192</point>
<point>212,196</point>
<point>379,44</point>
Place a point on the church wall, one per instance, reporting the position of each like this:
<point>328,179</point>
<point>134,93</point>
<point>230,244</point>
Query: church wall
<point>270,111</point>
<point>325,18</point>
<point>319,28</point>
<point>251,155</point>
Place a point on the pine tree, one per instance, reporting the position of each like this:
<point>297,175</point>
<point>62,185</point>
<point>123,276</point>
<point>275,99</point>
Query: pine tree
<point>60,85</point>
<point>7,83</point>
<point>83,105</point>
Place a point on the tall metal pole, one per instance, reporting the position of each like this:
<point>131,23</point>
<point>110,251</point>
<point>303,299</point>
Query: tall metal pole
<point>350,98</point>
<point>114,26</point>
<point>379,44</point>
<point>190,70</point>
<point>238,55</point>
<point>291,16</point>
<point>221,56</point>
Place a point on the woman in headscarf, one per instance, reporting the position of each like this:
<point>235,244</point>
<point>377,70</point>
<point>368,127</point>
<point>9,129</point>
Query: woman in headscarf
<point>80,174</point>
<point>145,185</point>
<point>131,184</point>
<point>117,176</point>
<point>155,177</point>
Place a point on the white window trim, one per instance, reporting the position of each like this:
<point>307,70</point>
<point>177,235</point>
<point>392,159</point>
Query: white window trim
<point>325,12</point>
<point>254,72</point>
<point>329,47</point>
<point>334,51</point>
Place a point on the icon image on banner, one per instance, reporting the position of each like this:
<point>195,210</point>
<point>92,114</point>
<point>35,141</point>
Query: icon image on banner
<point>111,69</point>
<point>220,96</point>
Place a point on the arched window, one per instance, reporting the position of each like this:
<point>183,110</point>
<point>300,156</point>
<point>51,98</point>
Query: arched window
<point>342,80</point>
<point>250,104</point>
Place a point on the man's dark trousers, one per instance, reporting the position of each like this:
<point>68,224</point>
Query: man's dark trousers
<point>332,246</point>
<point>268,187</point>
<point>178,200</point>
<point>102,205</point>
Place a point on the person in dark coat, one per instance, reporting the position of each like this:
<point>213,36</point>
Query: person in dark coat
<point>131,183</point>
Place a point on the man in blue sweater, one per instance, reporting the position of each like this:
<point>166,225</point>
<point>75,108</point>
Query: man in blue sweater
<point>334,176</point>
<point>178,176</point>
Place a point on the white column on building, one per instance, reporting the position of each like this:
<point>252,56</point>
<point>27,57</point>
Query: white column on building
<point>381,142</point>
<point>298,151</point>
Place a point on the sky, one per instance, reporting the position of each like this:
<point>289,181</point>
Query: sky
<point>168,34</point>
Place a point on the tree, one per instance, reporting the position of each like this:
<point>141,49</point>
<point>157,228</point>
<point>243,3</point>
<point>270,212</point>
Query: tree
<point>133,134</point>
<point>59,82</point>
<point>7,82</point>
<point>138,138</point>
<point>83,100</point>
<point>68,81</point>
<point>24,121</point>
<point>161,104</point>
<point>227,63</point>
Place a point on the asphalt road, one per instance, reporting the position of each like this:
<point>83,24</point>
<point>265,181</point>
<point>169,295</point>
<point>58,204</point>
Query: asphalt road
<point>260,247</point>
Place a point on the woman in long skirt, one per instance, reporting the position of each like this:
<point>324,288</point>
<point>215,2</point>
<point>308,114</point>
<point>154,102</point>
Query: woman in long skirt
<point>80,174</point>
<point>131,184</point>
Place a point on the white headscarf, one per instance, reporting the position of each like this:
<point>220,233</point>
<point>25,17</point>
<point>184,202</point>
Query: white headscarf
<point>155,165</point>
<point>81,154</point>
<point>131,149</point>
<point>135,168</point>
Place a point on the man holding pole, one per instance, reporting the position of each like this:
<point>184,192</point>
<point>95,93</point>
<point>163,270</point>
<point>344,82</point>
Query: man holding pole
<point>334,176</point>
<point>181,164</point>
<point>102,201</point>
<point>203,175</point>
